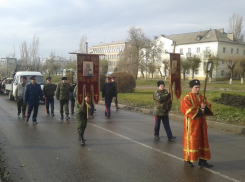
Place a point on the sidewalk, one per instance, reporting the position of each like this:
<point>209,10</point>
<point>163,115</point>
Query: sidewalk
<point>212,124</point>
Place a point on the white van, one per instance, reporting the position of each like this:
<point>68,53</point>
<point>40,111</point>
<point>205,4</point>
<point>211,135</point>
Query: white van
<point>11,88</point>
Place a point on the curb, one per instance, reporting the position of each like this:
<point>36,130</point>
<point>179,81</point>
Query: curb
<point>212,124</point>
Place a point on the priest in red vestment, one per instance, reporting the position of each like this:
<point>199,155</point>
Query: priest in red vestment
<point>195,140</point>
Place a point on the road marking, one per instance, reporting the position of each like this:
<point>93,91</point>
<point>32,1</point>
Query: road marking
<point>160,151</point>
<point>165,153</point>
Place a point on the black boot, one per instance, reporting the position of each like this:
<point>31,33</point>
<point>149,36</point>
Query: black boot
<point>62,116</point>
<point>67,117</point>
<point>82,140</point>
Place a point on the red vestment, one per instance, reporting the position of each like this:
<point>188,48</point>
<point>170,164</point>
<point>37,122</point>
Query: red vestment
<point>195,139</point>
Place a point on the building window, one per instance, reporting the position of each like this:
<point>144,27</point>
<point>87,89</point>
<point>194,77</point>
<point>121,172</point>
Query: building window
<point>237,51</point>
<point>198,49</point>
<point>222,73</point>
<point>181,50</point>
<point>189,50</point>
<point>231,50</point>
<point>224,49</point>
<point>207,49</point>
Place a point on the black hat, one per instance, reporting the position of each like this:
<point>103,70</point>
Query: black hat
<point>194,82</point>
<point>64,78</point>
<point>23,77</point>
<point>49,78</point>
<point>160,82</point>
<point>33,78</point>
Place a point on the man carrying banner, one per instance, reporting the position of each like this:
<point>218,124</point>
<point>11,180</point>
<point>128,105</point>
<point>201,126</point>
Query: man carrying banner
<point>81,116</point>
<point>163,105</point>
<point>195,140</point>
<point>108,93</point>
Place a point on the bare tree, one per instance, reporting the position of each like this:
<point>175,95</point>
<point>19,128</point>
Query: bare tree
<point>235,26</point>
<point>152,68</point>
<point>71,65</point>
<point>24,54</point>
<point>29,56</point>
<point>82,44</point>
<point>103,66</point>
<point>138,50</point>
<point>185,65</point>
<point>194,63</point>
<point>231,62</point>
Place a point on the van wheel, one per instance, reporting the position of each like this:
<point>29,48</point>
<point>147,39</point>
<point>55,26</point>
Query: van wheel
<point>10,96</point>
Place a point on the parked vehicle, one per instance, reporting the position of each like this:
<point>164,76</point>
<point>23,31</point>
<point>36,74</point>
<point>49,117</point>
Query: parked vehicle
<point>11,87</point>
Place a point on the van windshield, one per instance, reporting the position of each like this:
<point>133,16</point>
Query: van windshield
<point>39,79</point>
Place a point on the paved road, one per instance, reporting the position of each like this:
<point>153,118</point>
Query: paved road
<point>121,148</point>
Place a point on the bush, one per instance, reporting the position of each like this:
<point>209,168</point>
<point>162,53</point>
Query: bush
<point>125,82</point>
<point>102,80</point>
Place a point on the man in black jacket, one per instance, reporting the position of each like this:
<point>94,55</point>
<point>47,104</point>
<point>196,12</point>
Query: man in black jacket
<point>48,93</point>
<point>108,93</point>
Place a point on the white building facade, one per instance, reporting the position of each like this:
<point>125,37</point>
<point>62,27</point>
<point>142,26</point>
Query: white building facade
<point>198,43</point>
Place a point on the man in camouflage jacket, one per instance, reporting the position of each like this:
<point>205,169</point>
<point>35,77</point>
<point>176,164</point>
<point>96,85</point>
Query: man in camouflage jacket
<point>19,94</point>
<point>163,105</point>
<point>62,94</point>
<point>48,93</point>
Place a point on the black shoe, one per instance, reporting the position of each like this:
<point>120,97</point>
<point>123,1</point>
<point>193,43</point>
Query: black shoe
<point>67,117</point>
<point>206,165</point>
<point>48,114</point>
<point>157,137</point>
<point>189,164</point>
<point>52,115</point>
<point>62,116</point>
<point>34,122</point>
<point>82,142</point>
<point>27,120</point>
<point>172,137</point>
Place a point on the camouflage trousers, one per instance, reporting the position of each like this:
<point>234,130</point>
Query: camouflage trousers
<point>21,106</point>
<point>81,122</point>
<point>66,104</point>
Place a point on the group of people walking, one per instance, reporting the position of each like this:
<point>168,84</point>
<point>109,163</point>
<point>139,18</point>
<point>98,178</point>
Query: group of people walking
<point>193,106</point>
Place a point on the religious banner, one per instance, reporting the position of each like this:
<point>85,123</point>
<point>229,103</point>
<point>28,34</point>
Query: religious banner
<point>175,74</point>
<point>88,77</point>
<point>70,77</point>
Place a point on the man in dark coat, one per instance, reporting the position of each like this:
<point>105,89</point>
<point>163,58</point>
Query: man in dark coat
<point>62,94</point>
<point>108,93</point>
<point>48,92</point>
<point>33,94</point>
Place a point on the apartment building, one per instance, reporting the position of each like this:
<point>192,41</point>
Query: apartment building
<point>197,43</point>
<point>110,51</point>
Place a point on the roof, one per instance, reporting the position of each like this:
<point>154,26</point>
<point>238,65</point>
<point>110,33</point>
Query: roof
<point>28,73</point>
<point>111,43</point>
<point>212,35</point>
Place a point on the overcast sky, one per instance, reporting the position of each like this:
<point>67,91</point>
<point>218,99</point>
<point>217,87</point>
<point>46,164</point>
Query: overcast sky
<point>60,24</point>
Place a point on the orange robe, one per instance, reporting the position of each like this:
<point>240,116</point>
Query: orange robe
<point>195,139</point>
